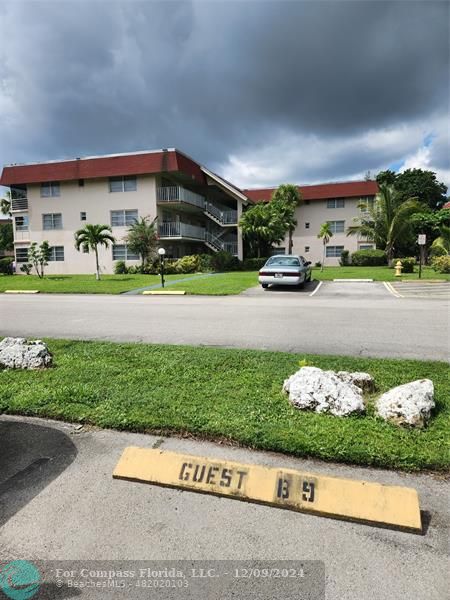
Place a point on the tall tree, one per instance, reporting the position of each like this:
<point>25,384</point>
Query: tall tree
<point>285,200</point>
<point>423,185</point>
<point>6,237</point>
<point>325,234</point>
<point>90,238</point>
<point>389,220</point>
<point>141,238</point>
<point>261,227</point>
<point>387,177</point>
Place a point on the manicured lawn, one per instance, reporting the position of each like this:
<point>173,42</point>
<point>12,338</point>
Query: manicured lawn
<point>226,394</point>
<point>222,284</point>
<point>375,273</point>
<point>81,284</point>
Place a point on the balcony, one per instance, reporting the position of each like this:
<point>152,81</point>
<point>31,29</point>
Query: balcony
<point>19,204</point>
<point>21,235</point>
<point>181,230</point>
<point>176,193</point>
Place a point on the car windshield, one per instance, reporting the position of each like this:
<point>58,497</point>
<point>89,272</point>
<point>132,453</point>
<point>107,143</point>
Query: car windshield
<point>283,261</point>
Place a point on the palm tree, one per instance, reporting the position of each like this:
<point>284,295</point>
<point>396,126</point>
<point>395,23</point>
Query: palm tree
<point>92,236</point>
<point>141,238</point>
<point>324,234</point>
<point>389,219</point>
<point>443,241</point>
<point>261,226</point>
<point>285,200</point>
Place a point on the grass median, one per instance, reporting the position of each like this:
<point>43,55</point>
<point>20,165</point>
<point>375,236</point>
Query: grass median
<point>226,394</point>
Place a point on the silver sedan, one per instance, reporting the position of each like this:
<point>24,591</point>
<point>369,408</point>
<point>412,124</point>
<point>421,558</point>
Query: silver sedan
<point>285,269</point>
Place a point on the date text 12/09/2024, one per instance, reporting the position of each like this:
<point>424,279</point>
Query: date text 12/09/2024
<point>288,487</point>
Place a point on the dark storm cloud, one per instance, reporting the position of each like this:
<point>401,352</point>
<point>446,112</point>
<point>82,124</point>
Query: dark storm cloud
<point>224,80</point>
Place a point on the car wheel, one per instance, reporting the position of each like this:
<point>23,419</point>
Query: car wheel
<point>264,285</point>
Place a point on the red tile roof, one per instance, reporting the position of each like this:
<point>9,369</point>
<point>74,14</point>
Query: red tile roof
<point>321,191</point>
<point>446,205</point>
<point>102,166</point>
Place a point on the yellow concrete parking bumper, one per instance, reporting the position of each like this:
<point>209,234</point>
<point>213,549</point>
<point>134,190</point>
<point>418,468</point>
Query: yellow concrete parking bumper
<point>385,505</point>
<point>21,292</point>
<point>164,293</point>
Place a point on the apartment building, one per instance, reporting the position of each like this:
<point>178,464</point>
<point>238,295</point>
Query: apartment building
<point>335,203</point>
<point>197,211</point>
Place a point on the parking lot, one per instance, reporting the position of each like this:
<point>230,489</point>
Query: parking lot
<point>438,290</point>
<point>70,508</point>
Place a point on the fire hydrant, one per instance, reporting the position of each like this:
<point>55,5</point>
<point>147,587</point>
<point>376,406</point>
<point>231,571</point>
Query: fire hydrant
<point>398,268</point>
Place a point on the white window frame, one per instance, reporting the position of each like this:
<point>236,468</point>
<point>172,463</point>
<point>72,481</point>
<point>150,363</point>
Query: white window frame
<point>367,246</point>
<point>336,203</point>
<point>50,189</point>
<point>125,183</point>
<point>53,226</point>
<point>19,257</point>
<point>336,251</point>
<point>336,226</point>
<point>127,254</point>
<point>126,219</point>
<point>56,254</point>
<point>25,223</point>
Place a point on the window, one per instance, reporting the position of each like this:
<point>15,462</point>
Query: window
<point>366,203</point>
<point>123,184</point>
<point>334,251</point>
<point>52,221</point>
<point>22,255</point>
<point>306,225</point>
<point>50,188</point>
<point>335,203</point>
<point>82,216</point>
<point>337,226</point>
<point>283,261</point>
<point>122,218</point>
<point>306,249</point>
<point>21,223</point>
<point>121,252</point>
<point>56,253</point>
<point>366,247</point>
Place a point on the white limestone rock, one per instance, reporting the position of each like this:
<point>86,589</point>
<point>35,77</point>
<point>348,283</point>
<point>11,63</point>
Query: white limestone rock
<point>322,391</point>
<point>362,380</point>
<point>19,353</point>
<point>407,404</point>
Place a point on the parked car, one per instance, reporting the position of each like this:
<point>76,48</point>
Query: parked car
<point>283,269</point>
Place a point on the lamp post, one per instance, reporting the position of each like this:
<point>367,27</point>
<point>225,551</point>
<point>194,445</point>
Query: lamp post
<point>162,253</point>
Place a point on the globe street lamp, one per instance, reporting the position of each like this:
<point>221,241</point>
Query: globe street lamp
<point>161,253</point>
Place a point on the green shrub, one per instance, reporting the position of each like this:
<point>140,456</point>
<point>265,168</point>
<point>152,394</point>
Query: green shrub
<point>188,264</point>
<point>26,268</point>
<point>205,262</point>
<point>253,264</point>
<point>345,258</point>
<point>6,265</point>
<point>120,268</point>
<point>407,264</point>
<point>224,261</point>
<point>441,264</point>
<point>369,258</point>
<point>318,264</point>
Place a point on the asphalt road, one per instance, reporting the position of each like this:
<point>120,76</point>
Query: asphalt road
<point>81,513</point>
<point>359,319</point>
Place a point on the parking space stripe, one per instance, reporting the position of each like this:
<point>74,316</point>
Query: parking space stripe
<point>391,289</point>
<point>317,288</point>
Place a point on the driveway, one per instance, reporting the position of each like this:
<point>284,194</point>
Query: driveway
<point>340,318</point>
<point>83,514</point>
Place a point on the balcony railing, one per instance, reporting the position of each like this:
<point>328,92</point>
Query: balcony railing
<point>215,241</point>
<point>225,217</point>
<point>181,230</point>
<point>176,193</point>
<point>21,235</point>
<point>18,204</point>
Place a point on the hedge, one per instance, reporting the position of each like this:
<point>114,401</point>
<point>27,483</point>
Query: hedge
<point>369,258</point>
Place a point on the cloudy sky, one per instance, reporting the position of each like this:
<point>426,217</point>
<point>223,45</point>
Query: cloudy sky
<point>261,92</point>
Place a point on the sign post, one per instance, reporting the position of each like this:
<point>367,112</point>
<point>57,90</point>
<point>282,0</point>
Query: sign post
<point>421,240</point>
